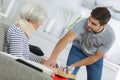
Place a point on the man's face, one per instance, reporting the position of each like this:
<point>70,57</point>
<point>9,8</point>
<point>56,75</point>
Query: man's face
<point>93,25</point>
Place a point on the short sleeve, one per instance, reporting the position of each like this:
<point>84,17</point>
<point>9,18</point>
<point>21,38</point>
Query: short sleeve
<point>79,27</point>
<point>107,44</point>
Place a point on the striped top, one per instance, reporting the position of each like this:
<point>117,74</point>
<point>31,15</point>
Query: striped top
<point>16,42</point>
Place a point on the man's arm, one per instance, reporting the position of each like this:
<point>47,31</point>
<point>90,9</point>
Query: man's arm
<point>59,47</point>
<point>89,60</point>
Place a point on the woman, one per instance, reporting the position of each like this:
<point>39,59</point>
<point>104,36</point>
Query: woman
<point>17,35</point>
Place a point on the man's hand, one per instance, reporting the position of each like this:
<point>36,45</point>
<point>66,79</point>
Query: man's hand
<point>50,62</point>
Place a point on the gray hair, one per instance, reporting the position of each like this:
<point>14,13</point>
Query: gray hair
<point>34,12</point>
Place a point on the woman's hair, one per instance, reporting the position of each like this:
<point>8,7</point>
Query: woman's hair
<point>102,14</point>
<point>33,11</point>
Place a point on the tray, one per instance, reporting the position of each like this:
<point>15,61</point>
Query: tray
<point>60,73</point>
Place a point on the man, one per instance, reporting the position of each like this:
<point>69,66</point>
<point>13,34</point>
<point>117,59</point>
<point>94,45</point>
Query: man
<point>92,38</point>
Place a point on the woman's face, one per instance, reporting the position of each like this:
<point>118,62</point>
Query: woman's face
<point>93,25</point>
<point>36,25</point>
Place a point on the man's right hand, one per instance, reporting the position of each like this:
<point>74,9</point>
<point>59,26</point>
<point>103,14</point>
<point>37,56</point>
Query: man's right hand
<point>50,62</point>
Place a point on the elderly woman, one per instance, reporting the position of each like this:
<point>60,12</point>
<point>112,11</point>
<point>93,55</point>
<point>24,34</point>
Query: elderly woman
<point>17,35</point>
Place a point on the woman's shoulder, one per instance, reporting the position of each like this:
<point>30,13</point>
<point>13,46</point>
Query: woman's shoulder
<point>13,29</point>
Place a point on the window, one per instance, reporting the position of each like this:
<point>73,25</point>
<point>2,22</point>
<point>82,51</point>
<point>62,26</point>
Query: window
<point>5,7</point>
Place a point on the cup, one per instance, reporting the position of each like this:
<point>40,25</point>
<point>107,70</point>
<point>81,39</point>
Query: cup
<point>63,68</point>
<point>70,69</point>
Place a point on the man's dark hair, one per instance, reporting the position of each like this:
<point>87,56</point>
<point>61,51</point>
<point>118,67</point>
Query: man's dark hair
<point>102,14</point>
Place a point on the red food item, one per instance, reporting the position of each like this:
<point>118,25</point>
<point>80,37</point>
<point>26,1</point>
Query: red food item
<point>57,77</point>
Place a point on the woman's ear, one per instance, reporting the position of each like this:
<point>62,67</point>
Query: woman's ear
<point>29,20</point>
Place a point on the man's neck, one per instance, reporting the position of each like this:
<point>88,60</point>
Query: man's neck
<point>98,31</point>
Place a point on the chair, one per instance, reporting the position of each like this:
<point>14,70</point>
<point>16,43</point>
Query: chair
<point>10,69</point>
<point>3,28</point>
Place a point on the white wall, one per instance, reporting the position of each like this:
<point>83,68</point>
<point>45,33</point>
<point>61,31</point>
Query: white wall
<point>113,54</point>
<point>14,12</point>
<point>55,11</point>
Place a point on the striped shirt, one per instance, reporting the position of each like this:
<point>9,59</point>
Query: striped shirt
<point>16,42</point>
